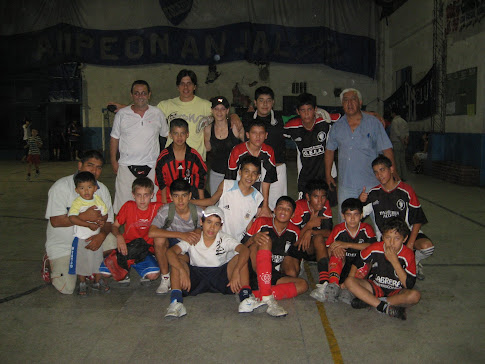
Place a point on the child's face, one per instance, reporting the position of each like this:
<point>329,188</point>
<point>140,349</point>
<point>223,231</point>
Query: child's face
<point>352,218</point>
<point>143,197</point>
<point>392,239</point>
<point>181,199</point>
<point>249,174</point>
<point>34,132</point>
<point>257,135</point>
<point>211,226</point>
<point>283,212</point>
<point>86,190</point>
<point>317,199</point>
<point>306,113</point>
<point>264,104</point>
<point>179,135</point>
<point>383,173</point>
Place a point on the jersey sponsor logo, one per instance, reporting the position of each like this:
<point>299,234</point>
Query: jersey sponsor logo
<point>388,214</point>
<point>401,205</point>
<point>321,136</point>
<point>313,151</point>
<point>277,259</point>
<point>387,282</point>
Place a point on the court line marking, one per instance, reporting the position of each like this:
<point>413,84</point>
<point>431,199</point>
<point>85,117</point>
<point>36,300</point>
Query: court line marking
<point>331,339</point>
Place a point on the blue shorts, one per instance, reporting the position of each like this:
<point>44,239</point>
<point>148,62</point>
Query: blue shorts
<point>172,242</point>
<point>208,279</point>
<point>147,266</point>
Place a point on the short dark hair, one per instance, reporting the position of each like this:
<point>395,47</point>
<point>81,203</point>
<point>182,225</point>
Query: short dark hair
<point>92,154</point>
<point>263,90</point>
<point>306,99</point>
<point>179,123</point>
<point>352,204</point>
<point>382,159</point>
<point>250,159</point>
<point>287,199</point>
<point>140,82</point>
<point>257,122</point>
<point>84,177</point>
<point>398,224</point>
<point>179,185</point>
<point>316,185</point>
<point>185,72</point>
<point>142,182</point>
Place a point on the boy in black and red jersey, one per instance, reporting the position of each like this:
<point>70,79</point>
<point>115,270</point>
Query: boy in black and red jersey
<point>391,273</point>
<point>344,243</point>
<point>255,146</point>
<point>395,198</point>
<point>269,240</point>
<point>313,216</point>
<point>309,132</point>
<point>179,160</point>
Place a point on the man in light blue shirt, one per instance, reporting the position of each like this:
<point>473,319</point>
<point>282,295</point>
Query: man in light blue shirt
<point>359,138</point>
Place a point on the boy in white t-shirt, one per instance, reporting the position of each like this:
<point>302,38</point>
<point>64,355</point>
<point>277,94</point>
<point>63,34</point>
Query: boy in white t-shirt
<point>211,268</point>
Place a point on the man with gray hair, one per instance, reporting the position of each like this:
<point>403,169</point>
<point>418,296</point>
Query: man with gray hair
<point>360,138</point>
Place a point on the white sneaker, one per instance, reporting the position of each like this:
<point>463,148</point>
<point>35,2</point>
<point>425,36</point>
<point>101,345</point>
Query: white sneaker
<point>420,271</point>
<point>250,304</point>
<point>125,281</point>
<point>332,292</point>
<point>164,286</point>
<point>175,310</point>
<point>274,309</point>
<point>319,292</point>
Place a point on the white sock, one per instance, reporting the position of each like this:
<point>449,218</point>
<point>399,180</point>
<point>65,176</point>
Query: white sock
<point>423,254</point>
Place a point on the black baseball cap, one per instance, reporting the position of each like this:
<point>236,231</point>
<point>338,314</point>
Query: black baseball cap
<point>219,100</point>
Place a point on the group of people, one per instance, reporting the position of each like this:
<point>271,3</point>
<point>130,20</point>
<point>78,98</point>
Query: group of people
<point>246,236</point>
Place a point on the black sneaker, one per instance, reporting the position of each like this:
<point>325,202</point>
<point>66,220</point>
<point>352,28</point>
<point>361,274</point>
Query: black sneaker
<point>396,311</point>
<point>358,303</point>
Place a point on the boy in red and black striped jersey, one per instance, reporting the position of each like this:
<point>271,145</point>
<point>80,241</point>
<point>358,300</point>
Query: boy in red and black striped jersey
<point>269,240</point>
<point>344,244</point>
<point>313,216</point>
<point>179,160</point>
<point>395,198</point>
<point>255,146</point>
<point>391,270</point>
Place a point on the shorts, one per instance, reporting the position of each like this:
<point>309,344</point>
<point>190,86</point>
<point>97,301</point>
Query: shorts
<point>278,188</point>
<point>147,266</point>
<point>208,279</point>
<point>172,242</point>
<point>84,262</point>
<point>300,254</point>
<point>383,292</point>
<point>253,277</point>
<point>33,158</point>
<point>422,236</point>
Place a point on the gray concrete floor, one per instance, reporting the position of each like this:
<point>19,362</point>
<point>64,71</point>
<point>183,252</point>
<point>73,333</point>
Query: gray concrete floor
<point>127,324</point>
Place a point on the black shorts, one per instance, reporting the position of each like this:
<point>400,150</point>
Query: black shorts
<point>422,236</point>
<point>208,279</point>
<point>253,277</point>
<point>383,292</point>
<point>300,254</point>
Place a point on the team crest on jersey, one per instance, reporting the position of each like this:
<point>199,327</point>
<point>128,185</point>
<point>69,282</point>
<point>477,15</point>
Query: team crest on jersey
<point>321,136</point>
<point>400,204</point>
<point>361,241</point>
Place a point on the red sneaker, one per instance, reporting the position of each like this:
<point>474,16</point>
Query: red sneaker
<point>46,269</point>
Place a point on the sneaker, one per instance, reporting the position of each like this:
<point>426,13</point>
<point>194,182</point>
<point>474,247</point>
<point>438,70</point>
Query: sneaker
<point>250,304</point>
<point>46,271</point>
<point>274,309</point>
<point>125,282</point>
<point>420,271</point>
<point>83,289</point>
<point>175,310</point>
<point>358,303</point>
<point>164,286</point>
<point>319,292</point>
<point>346,296</point>
<point>396,311</point>
<point>332,292</point>
<point>101,286</point>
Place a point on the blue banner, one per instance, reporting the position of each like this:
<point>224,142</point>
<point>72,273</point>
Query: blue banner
<point>229,43</point>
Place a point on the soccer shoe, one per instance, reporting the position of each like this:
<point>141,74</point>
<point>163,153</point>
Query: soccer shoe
<point>274,309</point>
<point>45,271</point>
<point>396,311</point>
<point>164,286</point>
<point>420,271</point>
<point>175,310</point>
<point>125,282</point>
<point>319,292</point>
<point>345,296</point>
<point>332,292</point>
<point>250,304</point>
<point>358,303</point>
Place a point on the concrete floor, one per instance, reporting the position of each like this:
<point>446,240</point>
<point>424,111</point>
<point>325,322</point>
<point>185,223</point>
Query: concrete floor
<point>127,325</point>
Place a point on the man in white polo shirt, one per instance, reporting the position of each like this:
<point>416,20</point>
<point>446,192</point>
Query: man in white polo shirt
<point>135,133</point>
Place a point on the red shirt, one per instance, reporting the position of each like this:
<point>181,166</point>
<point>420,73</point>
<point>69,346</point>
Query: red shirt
<point>136,221</point>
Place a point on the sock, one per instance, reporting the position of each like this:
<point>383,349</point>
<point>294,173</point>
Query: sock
<point>244,293</point>
<point>382,307</point>
<point>334,269</point>
<point>176,295</point>
<point>322,267</point>
<point>263,270</point>
<point>166,276</point>
<point>423,254</point>
<point>284,290</point>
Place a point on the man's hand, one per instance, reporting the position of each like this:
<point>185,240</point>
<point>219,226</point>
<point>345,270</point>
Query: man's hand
<point>118,106</point>
<point>337,249</point>
<point>184,280</point>
<point>315,220</point>
<point>363,196</point>
<point>331,182</point>
<point>93,226</point>
<point>265,212</point>
<point>91,214</point>
<point>262,238</point>
<point>304,241</point>
<point>95,241</point>
<point>102,221</point>
<point>121,245</point>
<point>235,282</point>
<point>191,237</point>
